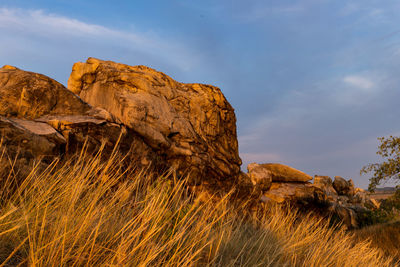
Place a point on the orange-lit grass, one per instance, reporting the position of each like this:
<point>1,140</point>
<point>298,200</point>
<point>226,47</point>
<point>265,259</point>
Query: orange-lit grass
<point>95,213</point>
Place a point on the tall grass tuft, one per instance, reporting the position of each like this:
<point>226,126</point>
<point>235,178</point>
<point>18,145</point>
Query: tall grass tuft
<point>385,237</point>
<point>91,212</point>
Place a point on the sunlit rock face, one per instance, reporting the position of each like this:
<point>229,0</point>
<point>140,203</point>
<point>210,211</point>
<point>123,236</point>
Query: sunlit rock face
<point>280,172</point>
<point>27,94</point>
<point>40,119</point>
<point>192,125</point>
<point>282,184</point>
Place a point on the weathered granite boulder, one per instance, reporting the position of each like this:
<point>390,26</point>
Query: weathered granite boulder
<point>41,119</point>
<point>351,191</point>
<point>325,184</point>
<point>96,132</point>
<point>343,187</point>
<point>24,144</point>
<point>30,95</point>
<point>347,215</point>
<point>260,177</point>
<point>193,125</point>
<point>281,173</point>
<point>30,139</point>
<point>294,193</point>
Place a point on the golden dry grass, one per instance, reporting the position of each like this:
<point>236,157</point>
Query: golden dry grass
<point>86,212</point>
<point>385,237</point>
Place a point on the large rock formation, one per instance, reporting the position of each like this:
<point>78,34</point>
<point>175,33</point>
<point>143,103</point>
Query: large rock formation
<point>193,125</point>
<point>42,120</point>
<point>156,120</point>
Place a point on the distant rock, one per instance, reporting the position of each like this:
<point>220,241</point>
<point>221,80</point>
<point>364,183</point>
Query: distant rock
<point>295,193</point>
<point>281,173</point>
<point>347,215</point>
<point>343,187</point>
<point>193,125</point>
<point>260,176</point>
<point>325,184</point>
<point>351,190</point>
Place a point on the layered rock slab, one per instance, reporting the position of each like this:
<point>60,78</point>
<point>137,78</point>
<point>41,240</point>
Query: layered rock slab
<point>30,139</point>
<point>294,192</point>
<point>193,125</point>
<point>277,173</point>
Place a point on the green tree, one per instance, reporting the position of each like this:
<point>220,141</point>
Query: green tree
<point>389,149</point>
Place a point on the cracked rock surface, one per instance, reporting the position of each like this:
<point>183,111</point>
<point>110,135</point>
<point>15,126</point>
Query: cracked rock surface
<point>193,125</point>
<point>190,127</point>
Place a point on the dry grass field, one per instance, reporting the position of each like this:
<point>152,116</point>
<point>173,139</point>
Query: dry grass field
<point>94,213</point>
<point>382,194</point>
<point>384,237</point>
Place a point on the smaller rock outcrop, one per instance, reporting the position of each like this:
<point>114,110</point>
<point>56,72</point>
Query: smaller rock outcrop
<point>283,184</point>
<point>303,193</point>
<point>281,173</point>
<point>347,215</point>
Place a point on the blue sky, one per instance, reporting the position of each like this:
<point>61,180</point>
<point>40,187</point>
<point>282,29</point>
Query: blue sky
<point>313,82</point>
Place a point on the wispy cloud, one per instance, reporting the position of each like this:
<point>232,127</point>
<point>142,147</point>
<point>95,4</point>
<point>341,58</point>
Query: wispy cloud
<point>359,82</point>
<point>39,24</point>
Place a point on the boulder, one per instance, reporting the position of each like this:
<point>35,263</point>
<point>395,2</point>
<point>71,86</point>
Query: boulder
<point>347,215</point>
<point>343,187</point>
<point>192,125</point>
<point>30,139</point>
<point>351,191</point>
<point>282,173</point>
<point>260,177</point>
<point>30,95</point>
<point>25,144</point>
<point>40,118</point>
<point>96,133</point>
<point>325,184</point>
<point>294,193</point>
